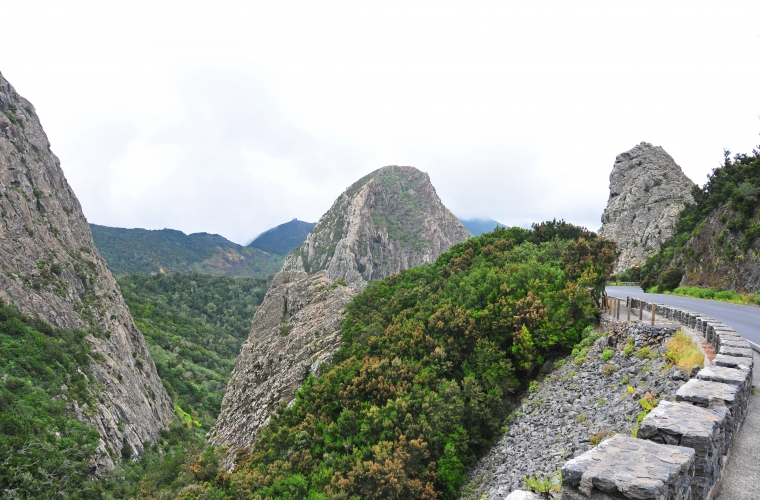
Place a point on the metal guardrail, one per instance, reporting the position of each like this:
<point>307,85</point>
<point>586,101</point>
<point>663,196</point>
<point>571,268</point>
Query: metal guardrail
<point>623,283</point>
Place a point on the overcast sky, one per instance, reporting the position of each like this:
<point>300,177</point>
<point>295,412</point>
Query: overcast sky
<point>233,117</point>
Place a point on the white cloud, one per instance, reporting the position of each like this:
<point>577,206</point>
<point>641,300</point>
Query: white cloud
<point>232,117</point>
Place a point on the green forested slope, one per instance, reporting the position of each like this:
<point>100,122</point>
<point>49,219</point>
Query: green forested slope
<point>715,243</point>
<point>44,451</point>
<point>282,239</point>
<point>143,251</point>
<point>194,325</point>
<point>429,361</point>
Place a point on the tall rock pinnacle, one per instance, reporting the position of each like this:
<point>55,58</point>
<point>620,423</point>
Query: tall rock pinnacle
<point>389,220</point>
<point>647,192</point>
<point>52,270</point>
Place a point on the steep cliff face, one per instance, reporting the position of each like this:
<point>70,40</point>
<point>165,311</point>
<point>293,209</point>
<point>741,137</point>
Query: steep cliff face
<point>296,328</point>
<point>51,269</point>
<point>647,192</point>
<point>390,220</point>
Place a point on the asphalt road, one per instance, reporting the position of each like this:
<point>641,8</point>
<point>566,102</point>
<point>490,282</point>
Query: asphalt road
<point>744,319</point>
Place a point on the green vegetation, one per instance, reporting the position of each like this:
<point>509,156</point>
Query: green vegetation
<point>194,325</point>
<point>711,293</point>
<point>142,251</point>
<point>645,353</point>
<point>607,354</point>
<point>684,352</point>
<point>45,451</point>
<point>282,239</point>
<point>732,190</point>
<point>544,484</point>
<point>429,362</point>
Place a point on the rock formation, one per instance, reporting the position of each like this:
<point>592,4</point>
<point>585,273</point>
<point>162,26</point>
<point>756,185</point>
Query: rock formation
<point>296,328</point>
<point>52,270</point>
<point>647,192</point>
<point>389,220</point>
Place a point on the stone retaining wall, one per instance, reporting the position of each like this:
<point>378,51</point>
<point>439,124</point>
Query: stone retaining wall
<point>690,438</point>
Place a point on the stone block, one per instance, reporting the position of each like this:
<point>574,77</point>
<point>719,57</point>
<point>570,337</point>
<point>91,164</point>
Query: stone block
<point>734,362</point>
<point>711,394</point>
<point>626,468</point>
<point>737,377</point>
<point>735,351</point>
<point>702,429</point>
<point>522,495</point>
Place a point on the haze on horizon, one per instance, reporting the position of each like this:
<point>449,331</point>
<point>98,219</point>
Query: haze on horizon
<point>234,117</point>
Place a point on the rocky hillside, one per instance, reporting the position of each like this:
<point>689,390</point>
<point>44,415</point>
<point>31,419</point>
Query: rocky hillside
<point>144,251</point>
<point>296,328</point>
<point>389,220</point>
<point>52,270</point>
<point>716,240</point>
<point>647,192</point>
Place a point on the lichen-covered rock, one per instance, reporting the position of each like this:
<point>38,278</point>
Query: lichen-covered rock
<point>51,269</point>
<point>702,429</point>
<point>389,220</point>
<point>624,467</point>
<point>647,192</point>
<point>296,328</point>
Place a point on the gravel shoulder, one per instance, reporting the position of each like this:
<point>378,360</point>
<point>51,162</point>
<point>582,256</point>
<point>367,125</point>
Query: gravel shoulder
<point>741,478</point>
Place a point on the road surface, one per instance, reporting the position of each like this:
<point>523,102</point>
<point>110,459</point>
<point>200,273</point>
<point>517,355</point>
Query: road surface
<point>744,319</point>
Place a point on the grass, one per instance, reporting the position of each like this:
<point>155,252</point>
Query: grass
<point>684,352</point>
<point>645,353</point>
<point>710,293</point>
<point>544,484</point>
<point>607,354</point>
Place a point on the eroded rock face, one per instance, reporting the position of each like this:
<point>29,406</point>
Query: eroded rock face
<point>390,220</point>
<point>296,328</point>
<point>647,192</point>
<point>51,269</point>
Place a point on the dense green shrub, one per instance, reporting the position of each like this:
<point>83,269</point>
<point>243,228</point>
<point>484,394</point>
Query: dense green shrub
<point>44,451</point>
<point>429,362</point>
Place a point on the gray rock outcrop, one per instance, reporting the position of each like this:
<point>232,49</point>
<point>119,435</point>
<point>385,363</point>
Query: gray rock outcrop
<point>389,220</point>
<point>52,270</point>
<point>296,328</point>
<point>647,192</point>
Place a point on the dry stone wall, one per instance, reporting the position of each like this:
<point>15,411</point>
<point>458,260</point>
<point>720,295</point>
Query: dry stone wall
<point>695,432</point>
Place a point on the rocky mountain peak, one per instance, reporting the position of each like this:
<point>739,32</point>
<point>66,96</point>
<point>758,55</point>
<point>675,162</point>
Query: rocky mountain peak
<point>647,192</point>
<point>52,270</point>
<point>387,221</point>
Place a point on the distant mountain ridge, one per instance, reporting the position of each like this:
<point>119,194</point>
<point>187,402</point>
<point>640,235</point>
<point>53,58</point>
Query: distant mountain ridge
<point>476,227</point>
<point>144,251</point>
<point>280,240</point>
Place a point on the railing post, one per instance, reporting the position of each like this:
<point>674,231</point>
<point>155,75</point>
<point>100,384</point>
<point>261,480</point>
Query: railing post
<point>629,313</point>
<point>654,312</point>
<point>641,310</point>
<point>618,309</point>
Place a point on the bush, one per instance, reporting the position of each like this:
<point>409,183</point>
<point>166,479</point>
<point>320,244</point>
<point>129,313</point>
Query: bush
<point>683,352</point>
<point>609,369</point>
<point>645,353</point>
<point>607,354</point>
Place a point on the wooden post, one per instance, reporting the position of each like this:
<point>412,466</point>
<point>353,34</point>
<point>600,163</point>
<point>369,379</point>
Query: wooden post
<point>641,310</point>
<point>629,314</point>
<point>654,312</point>
<point>618,309</point>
